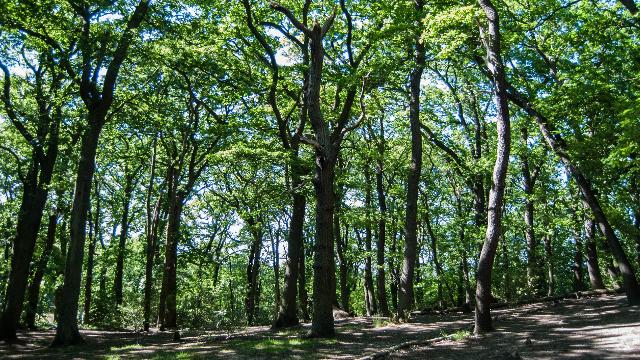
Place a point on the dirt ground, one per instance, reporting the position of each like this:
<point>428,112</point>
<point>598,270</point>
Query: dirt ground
<point>595,328</point>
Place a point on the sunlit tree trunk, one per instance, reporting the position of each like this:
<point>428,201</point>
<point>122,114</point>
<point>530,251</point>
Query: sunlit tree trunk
<point>405,295</point>
<point>496,195</point>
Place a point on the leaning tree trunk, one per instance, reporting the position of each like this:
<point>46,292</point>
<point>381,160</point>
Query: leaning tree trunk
<point>34,289</point>
<point>405,295</point>
<point>496,195</point>
<point>559,146</point>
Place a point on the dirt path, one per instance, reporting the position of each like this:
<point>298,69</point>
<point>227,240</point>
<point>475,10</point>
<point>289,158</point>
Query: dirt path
<point>597,328</point>
<point>588,328</point>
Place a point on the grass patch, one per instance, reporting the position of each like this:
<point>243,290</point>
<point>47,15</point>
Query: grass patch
<point>276,346</point>
<point>456,336</point>
<point>126,347</point>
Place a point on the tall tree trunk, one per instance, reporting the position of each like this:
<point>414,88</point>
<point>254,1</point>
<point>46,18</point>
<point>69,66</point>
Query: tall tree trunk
<point>288,314</point>
<point>372,307</point>
<point>34,289</point>
<point>151,227</point>
<point>464,260</point>
<point>393,268</point>
<point>88,282</point>
<point>548,250</point>
<point>98,104</point>
<point>67,331</point>
<point>323,263</point>
<point>436,260</point>
<point>167,308</point>
<point>343,267</point>
<point>253,271</point>
<point>124,230</point>
<point>35,188</point>
<point>275,250</point>
<point>593,268</point>
<point>302,284</point>
<point>405,295</point>
<point>530,236</point>
<point>636,224</point>
<point>382,225</point>
<point>496,195</point>
<point>29,218</point>
<point>578,258</point>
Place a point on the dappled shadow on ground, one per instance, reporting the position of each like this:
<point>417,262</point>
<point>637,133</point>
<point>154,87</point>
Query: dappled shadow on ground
<point>587,329</point>
<point>597,328</point>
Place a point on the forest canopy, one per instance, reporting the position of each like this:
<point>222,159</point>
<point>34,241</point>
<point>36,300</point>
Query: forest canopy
<point>219,164</point>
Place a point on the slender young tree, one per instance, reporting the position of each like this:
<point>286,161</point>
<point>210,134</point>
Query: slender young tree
<point>407,278</point>
<point>492,42</point>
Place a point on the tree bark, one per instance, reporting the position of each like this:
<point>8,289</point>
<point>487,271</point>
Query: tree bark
<point>168,293</point>
<point>67,331</point>
<point>405,295</point>
<point>483,321</point>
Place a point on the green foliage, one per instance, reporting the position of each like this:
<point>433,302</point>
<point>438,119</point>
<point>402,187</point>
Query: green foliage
<point>196,87</point>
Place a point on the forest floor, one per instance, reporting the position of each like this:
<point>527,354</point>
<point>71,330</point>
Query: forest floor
<point>591,328</point>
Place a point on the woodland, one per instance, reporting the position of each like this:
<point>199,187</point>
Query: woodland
<point>170,168</point>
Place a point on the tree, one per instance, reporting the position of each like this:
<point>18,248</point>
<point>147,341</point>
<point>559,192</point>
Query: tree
<point>405,295</point>
<point>43,145</point>
<point>496,195</point>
